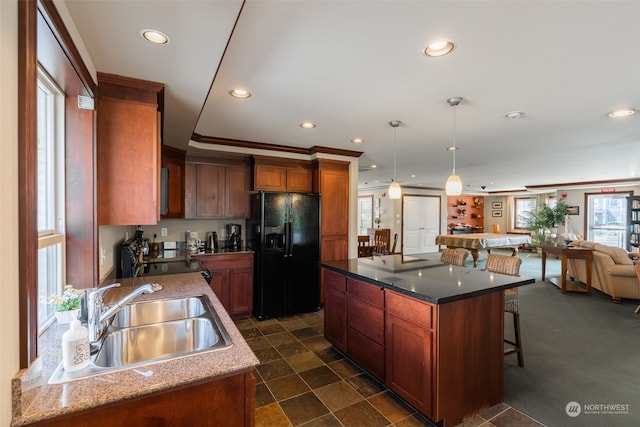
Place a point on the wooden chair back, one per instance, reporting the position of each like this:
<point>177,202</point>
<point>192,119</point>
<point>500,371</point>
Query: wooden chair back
<point>381,242</point>
<point>496,228</point>
<point>454,256</point>
<point>364,248</point>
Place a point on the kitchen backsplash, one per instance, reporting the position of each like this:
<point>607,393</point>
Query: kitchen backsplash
<point>111,237</point>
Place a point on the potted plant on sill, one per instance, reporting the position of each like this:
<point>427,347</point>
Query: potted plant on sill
<point>67,304</point>
<point>544,220</point>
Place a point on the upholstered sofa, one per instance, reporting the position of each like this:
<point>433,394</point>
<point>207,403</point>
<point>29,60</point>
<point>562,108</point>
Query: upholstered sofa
<point>612,272</point>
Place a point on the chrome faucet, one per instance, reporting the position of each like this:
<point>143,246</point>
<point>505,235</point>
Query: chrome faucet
<point>98,315</point>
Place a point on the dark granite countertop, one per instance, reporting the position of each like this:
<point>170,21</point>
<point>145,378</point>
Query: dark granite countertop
<point>429,280</point>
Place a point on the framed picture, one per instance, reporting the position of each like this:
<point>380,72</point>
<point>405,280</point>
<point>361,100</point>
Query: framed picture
<point>496,213</point>
<point>573,210</point>
<point>496,205</point>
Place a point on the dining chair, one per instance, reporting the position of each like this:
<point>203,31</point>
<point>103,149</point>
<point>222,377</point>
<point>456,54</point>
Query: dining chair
<point>454,256</point>
<point>509,265</point>
<point>364,248</point>
<point>381,242</point>
<point>496,228</point>
<point>395,242</point>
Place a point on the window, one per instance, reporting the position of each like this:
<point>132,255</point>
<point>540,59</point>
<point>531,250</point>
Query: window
<point>523,206</point>
<point>607,218</point>
<point>50,179</point>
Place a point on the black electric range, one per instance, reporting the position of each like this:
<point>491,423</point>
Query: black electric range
<point>174,267</point>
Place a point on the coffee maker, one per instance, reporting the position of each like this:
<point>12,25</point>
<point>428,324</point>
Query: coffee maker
<point>234,231</point>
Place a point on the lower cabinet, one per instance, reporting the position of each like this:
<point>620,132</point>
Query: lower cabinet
<point>227,401</point>
<point>231,281</point>
<point>335,309</point>
<point>446,360</point>
<point>365,326</point>
<point>410,351</point>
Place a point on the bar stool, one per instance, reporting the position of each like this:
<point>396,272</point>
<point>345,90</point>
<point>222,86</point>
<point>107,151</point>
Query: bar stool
<point>454,256</point>
<point>509,265</point>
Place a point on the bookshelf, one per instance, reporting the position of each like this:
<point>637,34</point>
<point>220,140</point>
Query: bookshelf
<point>633,221</point>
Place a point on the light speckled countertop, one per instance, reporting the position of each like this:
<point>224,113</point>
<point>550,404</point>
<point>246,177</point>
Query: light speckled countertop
<point>34,399</point>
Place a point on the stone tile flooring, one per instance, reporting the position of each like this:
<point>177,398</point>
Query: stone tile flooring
<point>303,381</point>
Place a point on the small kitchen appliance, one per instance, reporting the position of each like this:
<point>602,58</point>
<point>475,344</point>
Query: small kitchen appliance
<point>193,242</point>
<point>212,242</point>
<point>234,231</point>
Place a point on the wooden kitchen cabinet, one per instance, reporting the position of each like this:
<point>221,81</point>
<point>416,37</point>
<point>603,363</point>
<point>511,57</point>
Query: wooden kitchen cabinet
<point>172,201</point>
<point>446,360</point>
<point>409,350</point>
<point>335,308</point>
<point>365,326</point>
<point>129,125</point>
<point>216,191</point>
<point>222,401</point>
<point>278,174</point>
<point>231,280</point>
<point>333,184</point>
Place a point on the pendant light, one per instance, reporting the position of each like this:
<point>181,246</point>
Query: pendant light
<point>394,189</point>
<point>453,186</point>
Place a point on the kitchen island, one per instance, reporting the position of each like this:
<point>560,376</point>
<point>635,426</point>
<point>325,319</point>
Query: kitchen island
<point>208,388</point>
<point>433,333</point>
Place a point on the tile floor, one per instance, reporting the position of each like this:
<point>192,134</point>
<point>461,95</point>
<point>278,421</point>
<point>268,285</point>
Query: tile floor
<point>303,381</point>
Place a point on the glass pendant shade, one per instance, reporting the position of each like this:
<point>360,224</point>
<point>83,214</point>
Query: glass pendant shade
<point>395,191</point>
<point>453,186</point>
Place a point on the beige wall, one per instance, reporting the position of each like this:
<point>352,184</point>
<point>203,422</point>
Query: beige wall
<point>9,336</point>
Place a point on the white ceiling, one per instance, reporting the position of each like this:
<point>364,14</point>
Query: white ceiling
<point>352,66</point>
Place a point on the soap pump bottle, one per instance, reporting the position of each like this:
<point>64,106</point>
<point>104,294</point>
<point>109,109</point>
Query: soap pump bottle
<point>75,347</point>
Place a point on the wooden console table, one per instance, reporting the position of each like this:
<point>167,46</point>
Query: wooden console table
<point>565,253</point>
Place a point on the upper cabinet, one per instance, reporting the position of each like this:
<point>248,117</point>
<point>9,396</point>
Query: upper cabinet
<point>278,174</point>
<point>129,123</point>
<point>216,190</point>
<point>172,183</point>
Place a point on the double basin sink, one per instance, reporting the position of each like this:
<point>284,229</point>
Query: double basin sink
<point>150,331</point>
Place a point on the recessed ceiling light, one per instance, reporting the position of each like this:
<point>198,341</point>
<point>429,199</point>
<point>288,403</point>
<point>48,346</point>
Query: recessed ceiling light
<point>452,148</point>
<point>413,175</point>
<point>374,166</point>
<point>307,125</point>
<point>622,113</point>
<point>240,93</point>
<point>154,36</point>
<point>357,140</point>
<point>439,48</point>
<point>514,115</point>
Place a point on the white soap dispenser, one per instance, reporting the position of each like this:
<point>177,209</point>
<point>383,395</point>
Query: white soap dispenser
<point>75,347</point>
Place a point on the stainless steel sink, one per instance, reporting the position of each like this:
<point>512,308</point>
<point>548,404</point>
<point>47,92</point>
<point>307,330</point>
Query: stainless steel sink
<point>164,310</point>
<point>157,341</point>
<point>164,329</point>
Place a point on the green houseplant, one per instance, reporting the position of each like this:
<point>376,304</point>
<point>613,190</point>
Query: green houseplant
<point>544,219</point>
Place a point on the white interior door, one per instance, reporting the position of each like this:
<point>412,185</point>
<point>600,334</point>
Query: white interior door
<point>420,223</point>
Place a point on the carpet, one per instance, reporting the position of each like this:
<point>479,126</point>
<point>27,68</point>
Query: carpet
<point>581,353</point>
<point>577,348</point>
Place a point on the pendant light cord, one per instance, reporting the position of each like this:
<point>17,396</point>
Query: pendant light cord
<point>454,139</point>
<point>395,148</point>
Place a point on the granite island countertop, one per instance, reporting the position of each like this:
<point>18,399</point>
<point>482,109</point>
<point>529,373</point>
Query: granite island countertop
<point>34,399</point>
<point>428,280</point>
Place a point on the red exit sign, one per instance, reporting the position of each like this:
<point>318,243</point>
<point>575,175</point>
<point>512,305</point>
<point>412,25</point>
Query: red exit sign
<point>608,190</point>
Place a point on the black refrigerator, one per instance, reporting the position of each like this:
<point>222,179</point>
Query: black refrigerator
<point>284,233</point>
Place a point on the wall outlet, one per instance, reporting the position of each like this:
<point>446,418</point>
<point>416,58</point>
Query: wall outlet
<point>103,255</point>
<point>163,232</point>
